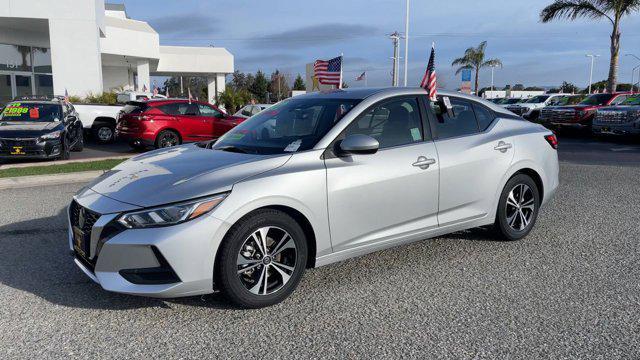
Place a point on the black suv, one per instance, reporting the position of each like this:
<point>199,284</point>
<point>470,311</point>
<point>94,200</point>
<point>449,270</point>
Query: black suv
<point>39,128</point>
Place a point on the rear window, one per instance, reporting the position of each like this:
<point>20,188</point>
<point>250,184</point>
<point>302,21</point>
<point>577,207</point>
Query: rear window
<point>133,108</point>
<point>31,112</point>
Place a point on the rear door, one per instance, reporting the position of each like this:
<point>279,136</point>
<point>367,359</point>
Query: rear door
<point>388,195</point>
<point>474,156</point>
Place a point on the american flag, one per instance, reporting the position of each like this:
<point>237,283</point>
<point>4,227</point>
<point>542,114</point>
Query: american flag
<point>362,76</point>
<point>429,81</point>
<point>328,72</point>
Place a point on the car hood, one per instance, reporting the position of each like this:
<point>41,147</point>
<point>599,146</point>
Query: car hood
<point>181,173</point>
<point>9,129</point>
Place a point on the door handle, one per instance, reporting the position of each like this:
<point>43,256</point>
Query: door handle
<point>424,163</point>
<point>503,147</point>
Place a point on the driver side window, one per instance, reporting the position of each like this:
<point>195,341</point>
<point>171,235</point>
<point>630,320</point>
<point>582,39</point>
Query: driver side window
<point>392,123</point>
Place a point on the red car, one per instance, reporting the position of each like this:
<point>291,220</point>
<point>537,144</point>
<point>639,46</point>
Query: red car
<point>581,115</point>
<point>169,122</point>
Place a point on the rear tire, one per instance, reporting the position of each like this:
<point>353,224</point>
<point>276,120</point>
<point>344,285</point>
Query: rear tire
<point>167,138</point>
<point>104,133</point>
<point>517,208</point>
<point>284,263</point>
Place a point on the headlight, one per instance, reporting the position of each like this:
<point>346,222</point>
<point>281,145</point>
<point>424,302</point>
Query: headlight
<point>170,214</point>
<point>52,135</point>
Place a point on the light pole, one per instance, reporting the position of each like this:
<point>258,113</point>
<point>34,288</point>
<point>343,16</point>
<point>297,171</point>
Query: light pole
<point>492,67</point>
<point>406,44</point>
<point>633,84</point>
<point>593,58</point>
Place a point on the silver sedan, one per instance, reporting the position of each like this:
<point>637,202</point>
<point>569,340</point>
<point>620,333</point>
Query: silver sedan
<point>315,179</point>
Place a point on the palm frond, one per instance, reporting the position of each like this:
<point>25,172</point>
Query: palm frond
<point>573,9</point>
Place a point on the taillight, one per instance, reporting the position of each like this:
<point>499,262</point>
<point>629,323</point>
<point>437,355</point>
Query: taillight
<point>552,140</point>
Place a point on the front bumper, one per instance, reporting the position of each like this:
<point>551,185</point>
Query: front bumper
<point>29,149</point>
<point>140,261</point>
<point>616,129</point>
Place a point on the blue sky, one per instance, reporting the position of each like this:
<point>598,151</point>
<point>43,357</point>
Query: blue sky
<point>286,34</point>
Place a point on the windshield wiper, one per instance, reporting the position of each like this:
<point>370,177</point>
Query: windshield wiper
<point>231,148</point>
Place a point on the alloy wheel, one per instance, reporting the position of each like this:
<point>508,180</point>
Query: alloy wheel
<point>266,260</point>
<point>105,133</point>
<point>520,207</point>
<point>168,140</point>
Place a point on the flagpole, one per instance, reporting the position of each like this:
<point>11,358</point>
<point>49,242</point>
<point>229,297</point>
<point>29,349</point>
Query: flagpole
<point>365,79</point>
<point>341,67</point>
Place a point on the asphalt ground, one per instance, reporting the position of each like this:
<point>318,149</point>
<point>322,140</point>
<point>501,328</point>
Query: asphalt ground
<point>571,289</point>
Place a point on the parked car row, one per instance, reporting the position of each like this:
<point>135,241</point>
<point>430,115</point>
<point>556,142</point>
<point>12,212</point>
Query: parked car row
<point>611,114</point>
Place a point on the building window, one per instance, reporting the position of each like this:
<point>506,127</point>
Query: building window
<point>15,58</point>
<point>42,60</point>
<point>44,84</point>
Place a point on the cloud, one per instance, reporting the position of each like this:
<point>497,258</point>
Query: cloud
<point>311,36</point>
<point>192,24</point>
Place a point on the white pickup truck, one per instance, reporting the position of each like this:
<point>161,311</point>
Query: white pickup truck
<point>99,120</point>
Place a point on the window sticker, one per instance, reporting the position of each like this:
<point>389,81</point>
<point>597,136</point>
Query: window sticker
<point>294,146</point>
<point>415,134</point>
<point>15,110</point>
<point>236,136</point>
<point>34,113</point>
<point>447,102</point>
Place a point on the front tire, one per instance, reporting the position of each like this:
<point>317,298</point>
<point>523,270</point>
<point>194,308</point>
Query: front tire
<point>79,146</point>
<point>517,208</point>
<point>262,259</point>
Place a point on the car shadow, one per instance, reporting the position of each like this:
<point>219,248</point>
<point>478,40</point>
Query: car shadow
<point>35,258</point>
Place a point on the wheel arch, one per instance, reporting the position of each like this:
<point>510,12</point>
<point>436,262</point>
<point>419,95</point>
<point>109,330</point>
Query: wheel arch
<point>299,217</point>
<point>537,179</point>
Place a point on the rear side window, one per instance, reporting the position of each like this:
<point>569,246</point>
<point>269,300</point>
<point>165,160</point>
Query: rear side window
<point>135,108</point>
<point>182,108</point>
<point>619,100</point>
<point>461,122</point>
<point>484,116</point>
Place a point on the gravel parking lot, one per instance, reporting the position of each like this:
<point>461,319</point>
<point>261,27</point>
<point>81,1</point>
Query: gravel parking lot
<point>569,290</point>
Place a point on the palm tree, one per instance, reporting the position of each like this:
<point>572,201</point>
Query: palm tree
<point>473,59</point>
<point>612,10</point>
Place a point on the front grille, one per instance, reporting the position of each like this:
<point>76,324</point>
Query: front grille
<point>83,219</point>
<point>19,142</point>
<point>518,110</point>
<point>612,117</point>
<point>557,115</point>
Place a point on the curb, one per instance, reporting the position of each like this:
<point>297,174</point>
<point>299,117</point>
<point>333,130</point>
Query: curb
<point>47,180</point>
<point>62,162</point>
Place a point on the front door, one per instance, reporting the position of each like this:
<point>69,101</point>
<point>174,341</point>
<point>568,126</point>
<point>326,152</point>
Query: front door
<point>389,194</point>
<point>195,127</point>
<point>216,119</point>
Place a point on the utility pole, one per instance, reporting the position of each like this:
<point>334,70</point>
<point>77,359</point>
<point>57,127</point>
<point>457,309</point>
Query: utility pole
<point>406,44</point>
<point>593,57</point>
<point>395,39</point>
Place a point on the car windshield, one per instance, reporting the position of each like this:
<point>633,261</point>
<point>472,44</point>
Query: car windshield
<point>538,99</point>
<point>289,126</point>
<point>597,99</point>
<point>31,112</point>
<point>512,101</point>
<point>632,100</point>
<point>560,100</point>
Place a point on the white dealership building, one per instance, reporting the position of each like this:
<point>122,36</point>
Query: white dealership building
<point>87,46</point>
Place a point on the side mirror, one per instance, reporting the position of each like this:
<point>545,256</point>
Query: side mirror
<point>71,118</point>
<point>359,144</point>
